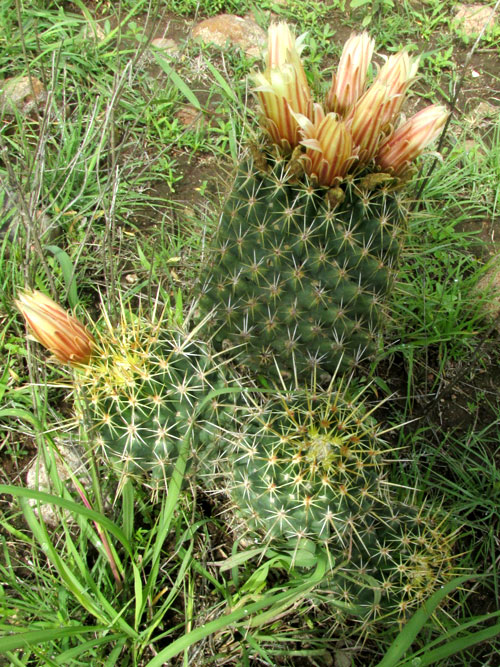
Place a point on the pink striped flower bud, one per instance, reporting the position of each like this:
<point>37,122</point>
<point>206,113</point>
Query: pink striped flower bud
<point>329,149</point>
<point>349,82</point>
<point>366,120</point>
<point>397,73</point>
<point>284,49</point>
<point>58,331</point>
<point>411,139</point>
<point>282,89</point>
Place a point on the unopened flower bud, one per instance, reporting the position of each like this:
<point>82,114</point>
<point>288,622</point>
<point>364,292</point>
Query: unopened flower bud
<point>349,81</point>
<point>282,89</point>
<point>58,331</point>
<point>412,138</point>
<point>397,74</point>
<point>329,149</point>
<point>366,119</point>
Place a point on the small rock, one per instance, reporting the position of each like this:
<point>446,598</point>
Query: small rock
<point>22,93</point>
<point>12,217</point>
<point>470,19</point>
<point>486,110</point>
<point>228,28</point>
<point>343,658</point>
<point>38,479</point>
<point>131,278</point>
<point>488,288</point>
<point>189,116</point>
<point>168,46</point>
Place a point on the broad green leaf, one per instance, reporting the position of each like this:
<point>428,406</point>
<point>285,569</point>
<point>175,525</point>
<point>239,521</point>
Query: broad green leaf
<point>68,271</point>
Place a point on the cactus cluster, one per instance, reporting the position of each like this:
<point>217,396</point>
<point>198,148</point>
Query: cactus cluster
<point>308,244</point>
<point>310,470</point>
<point>298,283</point>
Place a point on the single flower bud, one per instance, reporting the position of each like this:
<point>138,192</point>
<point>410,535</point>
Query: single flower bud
<point>58,331</point>
<point>412,138</point>
<point>349,81</point>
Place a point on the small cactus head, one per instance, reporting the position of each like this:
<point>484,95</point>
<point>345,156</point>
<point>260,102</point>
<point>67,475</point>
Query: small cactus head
<point>407,555</point>
<point>143,389</point>
<point>307,466</point>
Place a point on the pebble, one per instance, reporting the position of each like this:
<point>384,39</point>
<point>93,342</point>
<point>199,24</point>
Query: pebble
<point>168,46</point>
<point>230,29</point>
<point>38,479</point>
<point>470,19</point>
<point>22,93</point>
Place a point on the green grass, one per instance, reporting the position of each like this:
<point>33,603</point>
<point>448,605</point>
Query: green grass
<point>99,180</point>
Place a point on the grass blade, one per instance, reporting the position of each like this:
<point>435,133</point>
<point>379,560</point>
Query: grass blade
<point>71,506</point>
<point>178,82</point>
<point>68,271</point>
<point>278,600</point>
<point>426,656</point>
<point>410,631</point>
<point>33,637</point>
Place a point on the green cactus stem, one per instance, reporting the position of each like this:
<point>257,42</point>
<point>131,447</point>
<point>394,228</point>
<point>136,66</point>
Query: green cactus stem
<point>146,388</point>
<point>301,276</point>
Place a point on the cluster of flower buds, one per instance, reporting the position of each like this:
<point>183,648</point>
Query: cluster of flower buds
<point>61,333</point>
<point>356,126</point>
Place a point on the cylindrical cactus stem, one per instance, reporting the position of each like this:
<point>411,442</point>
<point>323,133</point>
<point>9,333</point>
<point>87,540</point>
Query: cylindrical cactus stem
<point>298,280</point>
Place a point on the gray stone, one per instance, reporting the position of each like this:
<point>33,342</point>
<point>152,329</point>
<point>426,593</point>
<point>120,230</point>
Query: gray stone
<point>93,31</point>
<point>235,30</point>
<point>168,46</point>
<point>470,19</point>
<point>11,216</point>
<point>39,479</point>
<point>22,93</point>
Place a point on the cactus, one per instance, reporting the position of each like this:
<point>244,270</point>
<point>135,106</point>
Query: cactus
<point>142,387</point>
<point>306,467</point>
<point>407,554</point>
<point>309,241</point>
<point>145,388</point>
<point>296,278</point>
<point>308,472</point>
